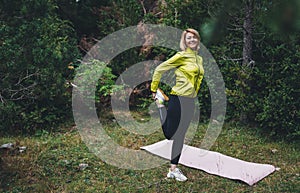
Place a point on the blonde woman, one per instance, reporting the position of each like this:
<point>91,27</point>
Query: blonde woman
<point>176,118</point>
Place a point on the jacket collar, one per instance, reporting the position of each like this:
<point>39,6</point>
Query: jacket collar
<point>189,50</point>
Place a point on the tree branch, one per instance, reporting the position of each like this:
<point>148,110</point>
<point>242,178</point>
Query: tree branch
<point>144,9</point>
<point>232,59</point>
<point>19,91</point>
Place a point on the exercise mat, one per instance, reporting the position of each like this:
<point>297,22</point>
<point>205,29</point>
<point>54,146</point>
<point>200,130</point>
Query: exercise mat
<point>214,162</point>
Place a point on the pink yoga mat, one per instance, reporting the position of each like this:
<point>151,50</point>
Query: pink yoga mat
<point>214,162</point>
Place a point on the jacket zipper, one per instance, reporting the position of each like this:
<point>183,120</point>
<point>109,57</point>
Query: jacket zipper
<point>198,73</point>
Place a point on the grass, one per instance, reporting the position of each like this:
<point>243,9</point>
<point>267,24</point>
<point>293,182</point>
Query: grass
<point>51,164</point>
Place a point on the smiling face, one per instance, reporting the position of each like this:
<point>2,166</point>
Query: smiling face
<point>191,41</point>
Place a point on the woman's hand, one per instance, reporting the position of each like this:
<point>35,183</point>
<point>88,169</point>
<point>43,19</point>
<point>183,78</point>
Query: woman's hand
<point>153,95</point>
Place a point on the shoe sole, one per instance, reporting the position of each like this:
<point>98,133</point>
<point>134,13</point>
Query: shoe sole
<point>180,180</point>
<point>177,179</point>
<point>165,96</point>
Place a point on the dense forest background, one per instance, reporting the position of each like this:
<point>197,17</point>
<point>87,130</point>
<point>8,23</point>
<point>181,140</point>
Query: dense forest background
<point>255,43</point>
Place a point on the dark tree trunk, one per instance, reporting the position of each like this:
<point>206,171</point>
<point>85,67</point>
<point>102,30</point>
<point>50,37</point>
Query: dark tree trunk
<point>247,30</point>
<point>248,62</point>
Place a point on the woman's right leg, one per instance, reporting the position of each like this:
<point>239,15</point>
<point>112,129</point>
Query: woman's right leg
<point>170,117</point>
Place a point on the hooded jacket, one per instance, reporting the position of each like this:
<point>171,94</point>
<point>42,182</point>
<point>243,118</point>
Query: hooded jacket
<point>189,73</point>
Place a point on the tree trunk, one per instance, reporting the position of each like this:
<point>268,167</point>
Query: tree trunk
<point>247,31</point>
<point>247,52</point>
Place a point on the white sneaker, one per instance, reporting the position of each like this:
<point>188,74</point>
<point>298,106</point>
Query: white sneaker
<point>177,174</point>
<point>160,96</point>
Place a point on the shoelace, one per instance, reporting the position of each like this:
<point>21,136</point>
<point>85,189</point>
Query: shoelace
<point>179,171</point>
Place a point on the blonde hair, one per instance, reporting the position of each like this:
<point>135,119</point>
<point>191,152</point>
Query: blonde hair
<point>182,40</point>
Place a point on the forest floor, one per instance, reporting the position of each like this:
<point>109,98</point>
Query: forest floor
<point>60,161</point>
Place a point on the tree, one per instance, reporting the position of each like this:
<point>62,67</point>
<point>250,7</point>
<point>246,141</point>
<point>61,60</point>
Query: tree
<point>247,32</point>
<point>37,48</point>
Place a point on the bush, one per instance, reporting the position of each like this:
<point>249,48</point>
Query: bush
<point>276,94</point>
<point>96,73</point>
<point>35,55</point>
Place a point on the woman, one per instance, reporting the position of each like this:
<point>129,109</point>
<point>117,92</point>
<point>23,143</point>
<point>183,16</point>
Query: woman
<point>189,74</point>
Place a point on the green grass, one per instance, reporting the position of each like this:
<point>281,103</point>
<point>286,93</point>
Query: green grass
<point>51,164</point>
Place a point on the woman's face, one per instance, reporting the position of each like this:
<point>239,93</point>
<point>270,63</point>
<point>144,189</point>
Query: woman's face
<point>191,41</point>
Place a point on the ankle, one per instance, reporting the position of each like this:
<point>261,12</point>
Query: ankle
<point>173,167</point>
<point>159,105</point>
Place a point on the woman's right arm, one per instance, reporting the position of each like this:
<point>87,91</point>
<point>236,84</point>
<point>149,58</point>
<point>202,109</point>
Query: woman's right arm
<point>171,63</point>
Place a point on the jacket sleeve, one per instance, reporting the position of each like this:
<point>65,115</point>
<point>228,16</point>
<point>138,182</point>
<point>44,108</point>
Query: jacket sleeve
<point>171,63</point>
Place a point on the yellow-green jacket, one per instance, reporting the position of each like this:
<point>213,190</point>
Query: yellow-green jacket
<point>189,73</point>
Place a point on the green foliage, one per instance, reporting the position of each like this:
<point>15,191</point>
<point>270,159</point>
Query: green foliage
<point>96,73</point>
<point>264,92</point>
<point>34,58</point>
<point>82,14</point>
<point>276,94</point>
<point>117,15</point>
<point>38,43</point>
<point>275,83</point>
<point>281,17</point>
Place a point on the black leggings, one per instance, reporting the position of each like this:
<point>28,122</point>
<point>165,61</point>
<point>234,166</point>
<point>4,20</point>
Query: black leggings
<point>175,121</point>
